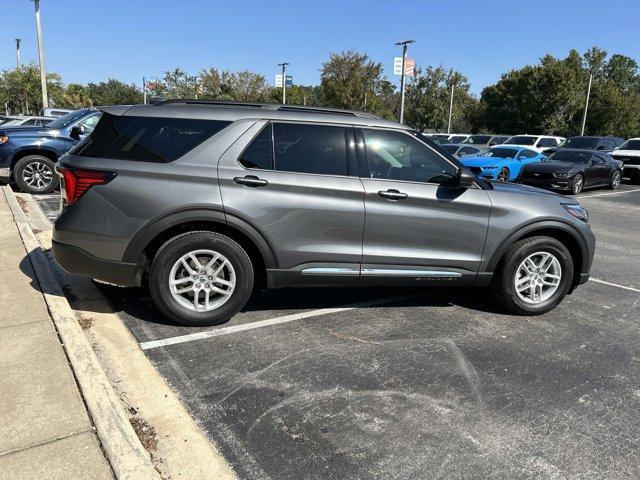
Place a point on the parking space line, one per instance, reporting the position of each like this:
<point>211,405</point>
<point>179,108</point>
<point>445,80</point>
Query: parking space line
<point>272,321</point>
<point>609,193</point>
<point>623,287</point>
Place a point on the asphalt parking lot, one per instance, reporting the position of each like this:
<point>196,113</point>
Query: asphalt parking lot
<point>406,384</point>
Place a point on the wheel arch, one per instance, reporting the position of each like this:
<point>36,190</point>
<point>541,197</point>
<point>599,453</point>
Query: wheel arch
<point>149,239</point>
<point>43,152</point>
<point>561,231</point>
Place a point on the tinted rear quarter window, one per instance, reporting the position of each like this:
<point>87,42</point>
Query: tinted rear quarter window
<point>147,139</point>
<point>259,153</point>
<point>319,149</point>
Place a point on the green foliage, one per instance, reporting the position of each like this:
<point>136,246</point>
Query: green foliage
<point>428,96</point>
<point>352,81</point>
<point>113,92</point>
<point>550,97</point>
<point>20,89</point>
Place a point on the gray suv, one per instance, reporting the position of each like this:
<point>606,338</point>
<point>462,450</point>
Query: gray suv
<point>204,201</point>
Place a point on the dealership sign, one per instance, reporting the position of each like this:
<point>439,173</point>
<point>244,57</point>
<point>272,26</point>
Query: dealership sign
<point>409,66</point>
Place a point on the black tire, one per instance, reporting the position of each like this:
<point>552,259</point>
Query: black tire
<point>31,163</point>
<point>503,284</point>
<point>577,184</point>
<point>178,246</point>
<point>503,175</point>
<point>616,180</point>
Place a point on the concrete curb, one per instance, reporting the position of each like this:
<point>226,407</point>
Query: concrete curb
<point>128,458</point>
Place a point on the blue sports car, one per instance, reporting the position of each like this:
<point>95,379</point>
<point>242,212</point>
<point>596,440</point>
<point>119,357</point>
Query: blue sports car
<point>501,163</point>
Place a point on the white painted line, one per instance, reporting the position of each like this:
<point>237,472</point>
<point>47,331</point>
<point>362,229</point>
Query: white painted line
<point>609,193</point>
<point>272,321</point>
<point>623,287</point>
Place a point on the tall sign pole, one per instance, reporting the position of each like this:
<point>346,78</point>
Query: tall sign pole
<point>43,76</point>
<point>18,40</point>
<point>586,106</point>
<point>284,81</point>
<point>402,74</point>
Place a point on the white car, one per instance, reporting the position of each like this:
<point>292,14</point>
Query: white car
<point>450,137</point>
<point>535,142</point>
<point>629,154</point>
<point>28,121</point>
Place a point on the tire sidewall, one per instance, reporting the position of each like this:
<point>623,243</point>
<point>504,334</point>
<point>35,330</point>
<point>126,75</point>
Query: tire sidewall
<point>179,246</point>
<point>20,166</point>
<point>613,185</point>
<point>573,190</point>
<point>508,273</point>
<point>506,170</point>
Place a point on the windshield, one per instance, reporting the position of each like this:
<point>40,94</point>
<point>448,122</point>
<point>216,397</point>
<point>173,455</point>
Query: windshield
<point>67,119</point>
<point>521,140</point>
<point>12,123</point>
<point>569,157</point>
<point>478,139</point>
<point>451,148</point>
<point>581,142</point>
<point>500,153</point>
<point>631,145</point>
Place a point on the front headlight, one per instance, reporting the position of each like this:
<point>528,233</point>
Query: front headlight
<point>577,211</point>
<point>562,174</point>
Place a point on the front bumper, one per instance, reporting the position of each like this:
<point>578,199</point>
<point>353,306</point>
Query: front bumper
<point>80,262</point>
<point>555,184</point>
<point>631,171</point>
<point>5,172</point>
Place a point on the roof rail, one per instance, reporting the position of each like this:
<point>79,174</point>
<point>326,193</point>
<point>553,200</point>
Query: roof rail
<point>266,106</point>
<point>222,103</point>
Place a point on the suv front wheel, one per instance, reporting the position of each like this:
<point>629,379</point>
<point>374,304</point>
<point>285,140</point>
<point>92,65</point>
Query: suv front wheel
<point>535,276</point>
<point>201,278</point>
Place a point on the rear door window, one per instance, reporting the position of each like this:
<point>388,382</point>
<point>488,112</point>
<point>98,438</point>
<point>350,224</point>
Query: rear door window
<point>306,148</point>
<point>147,139</point>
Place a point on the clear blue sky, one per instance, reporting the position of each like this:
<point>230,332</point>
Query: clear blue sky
<point>92,40</point>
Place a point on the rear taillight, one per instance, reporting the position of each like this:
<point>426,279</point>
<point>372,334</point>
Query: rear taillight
<point>76,181</point>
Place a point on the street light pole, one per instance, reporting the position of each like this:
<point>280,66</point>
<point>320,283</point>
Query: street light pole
<point>404,57</point>
<point>284,81</point>
<point>18,40</point>
<point>450,108</point>
<point>43,76</point>
<point>586,106</point>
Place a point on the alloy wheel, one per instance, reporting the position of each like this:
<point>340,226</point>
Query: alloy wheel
<point>503,175</point>
<point>37,175</point>
<point>616,179</point>
<point>576,186</point>
<point>202,280</point>
<point>538,277</point>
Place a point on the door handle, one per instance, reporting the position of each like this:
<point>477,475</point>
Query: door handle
<point>392,194</point>
<point>250,181</point>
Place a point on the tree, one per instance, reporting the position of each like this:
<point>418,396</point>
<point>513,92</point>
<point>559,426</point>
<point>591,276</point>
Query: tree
<point>175,84</point>
<point>428,96</point>
<point>75,96</point>
<point>20,90</point>
<point>351,79</point>
<point>113,92</point>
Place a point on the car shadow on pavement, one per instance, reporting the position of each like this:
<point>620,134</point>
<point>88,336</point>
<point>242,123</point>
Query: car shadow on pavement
<point>137,304</point>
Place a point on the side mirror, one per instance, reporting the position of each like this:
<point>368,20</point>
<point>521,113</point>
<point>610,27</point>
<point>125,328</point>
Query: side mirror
<point>466,179</point>
<point>77,131</point>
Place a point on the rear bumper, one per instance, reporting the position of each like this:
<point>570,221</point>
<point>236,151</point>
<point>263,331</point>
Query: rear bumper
<point>79,262</point>
<point>631,170</point>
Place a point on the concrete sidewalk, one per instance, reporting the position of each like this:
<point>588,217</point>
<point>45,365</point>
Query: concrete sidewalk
<point>45,431</point>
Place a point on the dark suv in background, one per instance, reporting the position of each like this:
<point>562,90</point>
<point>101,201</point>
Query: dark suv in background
<point>28,153</point>
<point>203,201</point>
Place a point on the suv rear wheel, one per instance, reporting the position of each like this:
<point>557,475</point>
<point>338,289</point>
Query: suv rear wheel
<point>35,174</point>
<point>201,278</point>
<point>536,275</point>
